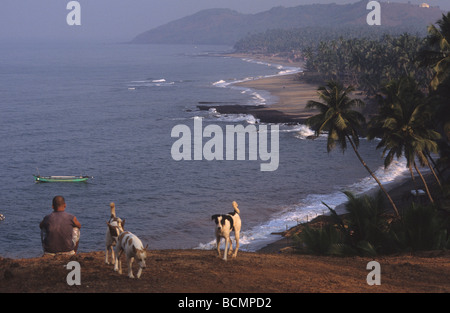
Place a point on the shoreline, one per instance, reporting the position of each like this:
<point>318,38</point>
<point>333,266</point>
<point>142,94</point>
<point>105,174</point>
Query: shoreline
<point>400,193</point>
<point>289,107</point>
<point>290,92</point>
<point>292,95</point>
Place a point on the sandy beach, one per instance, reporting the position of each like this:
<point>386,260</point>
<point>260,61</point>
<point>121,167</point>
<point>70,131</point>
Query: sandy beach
<point>291,93</point>
<point>291,96</point>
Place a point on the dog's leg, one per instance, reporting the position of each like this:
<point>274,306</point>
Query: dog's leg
<point>139,272</point>
<point>130,269</point>
<point>118,264</point>
<point>218,245</point>
<point>230,249</point>
<point>236,235</point>
<point>113,257</point>
<point>225,252</point>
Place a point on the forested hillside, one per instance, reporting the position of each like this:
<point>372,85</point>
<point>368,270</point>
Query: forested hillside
<point>225,26</point>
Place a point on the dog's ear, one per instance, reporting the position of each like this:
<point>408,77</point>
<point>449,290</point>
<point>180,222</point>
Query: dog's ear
<point>146,246</point>
<point>123,223</point>
<point>214,217</point>
<point>111,228</point>
<point>230,220</point>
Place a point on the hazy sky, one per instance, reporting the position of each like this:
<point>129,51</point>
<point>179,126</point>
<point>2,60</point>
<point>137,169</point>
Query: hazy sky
<point>121,20</point>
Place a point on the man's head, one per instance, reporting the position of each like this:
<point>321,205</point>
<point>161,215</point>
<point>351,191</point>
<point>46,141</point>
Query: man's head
<point>59,204</point>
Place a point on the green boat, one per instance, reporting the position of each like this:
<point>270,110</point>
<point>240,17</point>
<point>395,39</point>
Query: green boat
<point>60,179</point>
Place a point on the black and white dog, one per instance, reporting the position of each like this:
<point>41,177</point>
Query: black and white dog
<point>225,224</point>
<point>115,228</point>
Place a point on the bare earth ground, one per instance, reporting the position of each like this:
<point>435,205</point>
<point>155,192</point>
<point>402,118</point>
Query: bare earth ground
<point>198,271</point>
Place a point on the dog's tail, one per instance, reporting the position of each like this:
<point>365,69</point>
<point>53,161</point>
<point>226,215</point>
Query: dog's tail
<point>235,206</point>
<point>113,209</point>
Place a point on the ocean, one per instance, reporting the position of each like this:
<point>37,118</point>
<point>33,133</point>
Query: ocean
<point>107,111</point>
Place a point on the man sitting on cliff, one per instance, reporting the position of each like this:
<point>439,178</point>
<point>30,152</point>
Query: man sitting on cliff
<point>60,231</point>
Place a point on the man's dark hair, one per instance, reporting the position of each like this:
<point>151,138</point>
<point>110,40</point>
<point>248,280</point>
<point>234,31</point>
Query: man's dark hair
<point>58,201</point>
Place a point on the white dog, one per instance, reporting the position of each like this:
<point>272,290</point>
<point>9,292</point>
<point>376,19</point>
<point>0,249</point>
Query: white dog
<point>134,249</point>
<point>225,224</point>
<point>115,228</point>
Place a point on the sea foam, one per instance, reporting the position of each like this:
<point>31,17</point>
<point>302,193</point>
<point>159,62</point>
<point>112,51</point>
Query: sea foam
<point>148,83</point>
<point>312,206</point>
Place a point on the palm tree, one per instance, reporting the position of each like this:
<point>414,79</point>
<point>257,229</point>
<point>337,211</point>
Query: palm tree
<point>438,53</point>
<point>437,56</point>
<point>402,126</point>
<point>341,122</point>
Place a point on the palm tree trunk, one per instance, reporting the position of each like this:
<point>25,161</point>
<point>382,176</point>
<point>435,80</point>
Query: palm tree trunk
<point>434,164</point>
<point>424,183</point>
<point>434,174</point>
<point>413,178</point>
<point>373,175</point>
<point>428,158</point>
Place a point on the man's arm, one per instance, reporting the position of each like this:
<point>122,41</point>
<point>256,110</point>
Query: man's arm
<point>76,223</point>
<point>41,224</point>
